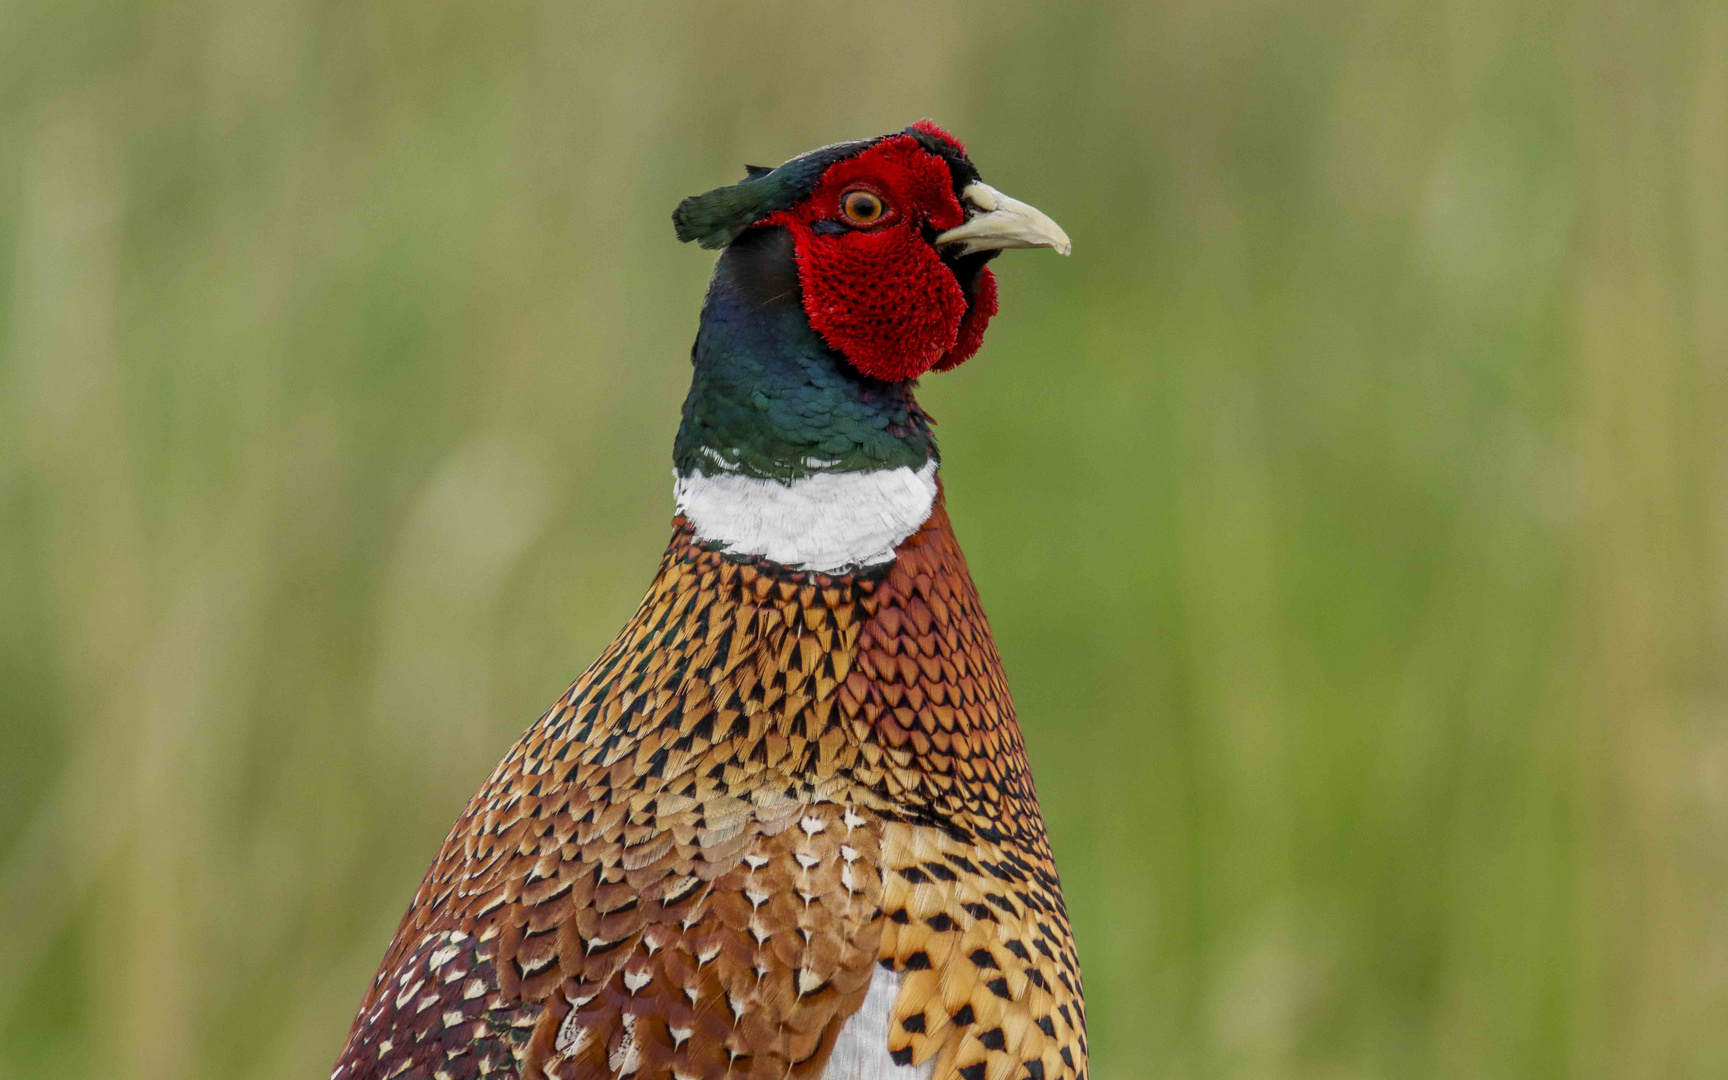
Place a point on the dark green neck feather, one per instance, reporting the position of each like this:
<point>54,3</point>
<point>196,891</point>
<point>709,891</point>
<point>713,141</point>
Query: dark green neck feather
<point>769,398</point>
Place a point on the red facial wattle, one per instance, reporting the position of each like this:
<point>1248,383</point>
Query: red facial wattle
<point>982,305</point>
<point>880,294</point>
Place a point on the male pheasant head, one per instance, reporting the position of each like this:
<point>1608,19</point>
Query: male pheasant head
<point>890,237</point>
<point>846,273</point>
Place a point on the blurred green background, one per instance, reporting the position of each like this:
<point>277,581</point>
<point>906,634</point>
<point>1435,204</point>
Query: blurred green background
<point>1352,508</point>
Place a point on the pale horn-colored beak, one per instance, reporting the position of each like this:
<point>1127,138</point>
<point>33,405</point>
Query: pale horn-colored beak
<point>998,221</point>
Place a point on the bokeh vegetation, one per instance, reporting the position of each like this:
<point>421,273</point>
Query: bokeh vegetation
<point>1352,508</point>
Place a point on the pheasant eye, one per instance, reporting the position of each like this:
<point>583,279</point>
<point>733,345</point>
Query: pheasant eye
<point>862,207</point>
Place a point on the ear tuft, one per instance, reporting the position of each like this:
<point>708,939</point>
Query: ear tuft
<point>715,218</point>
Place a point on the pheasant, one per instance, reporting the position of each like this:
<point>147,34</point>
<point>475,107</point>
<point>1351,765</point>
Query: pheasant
<point>784,826</point>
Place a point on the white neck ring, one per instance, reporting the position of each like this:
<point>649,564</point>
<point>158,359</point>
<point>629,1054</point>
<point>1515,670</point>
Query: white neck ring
<point>828,522</point>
